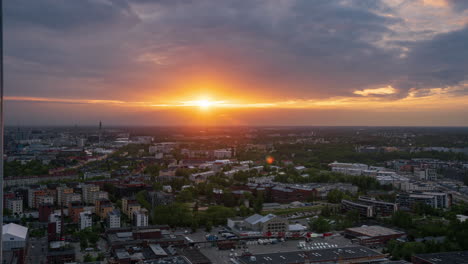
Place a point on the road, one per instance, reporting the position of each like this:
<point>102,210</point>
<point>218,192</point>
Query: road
<point>37,250</point>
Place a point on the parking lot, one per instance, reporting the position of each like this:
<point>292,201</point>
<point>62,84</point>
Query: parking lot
<point>223,256</point>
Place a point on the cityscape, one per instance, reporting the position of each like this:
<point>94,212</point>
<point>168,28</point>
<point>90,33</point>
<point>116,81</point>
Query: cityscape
<point>235,194</point>
<point>234,131</point>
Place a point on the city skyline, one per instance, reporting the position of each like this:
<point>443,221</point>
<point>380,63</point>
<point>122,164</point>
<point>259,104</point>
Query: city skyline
<point>333,63</point>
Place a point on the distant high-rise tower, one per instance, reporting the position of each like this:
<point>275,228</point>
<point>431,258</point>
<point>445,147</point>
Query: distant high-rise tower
<point>100,132</point>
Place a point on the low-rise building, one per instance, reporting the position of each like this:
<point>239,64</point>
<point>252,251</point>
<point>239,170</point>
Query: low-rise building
<point>355,254</point>
<point>455,257</point>
<point>372,235</point>
<point>14,236</point>
<point>259,223</point>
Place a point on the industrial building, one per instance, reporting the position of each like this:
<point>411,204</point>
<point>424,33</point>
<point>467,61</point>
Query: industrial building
<point>14,236</point>
<point>441,258</point>
<point>356,254</point>
<point>372,235</point>
<point>260,223</point>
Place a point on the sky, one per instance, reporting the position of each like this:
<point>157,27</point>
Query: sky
<point>231,62</point>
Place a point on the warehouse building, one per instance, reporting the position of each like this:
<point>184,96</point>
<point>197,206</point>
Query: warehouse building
<point>355,254</point>
<point>441,258</point>
<point>372,235</point>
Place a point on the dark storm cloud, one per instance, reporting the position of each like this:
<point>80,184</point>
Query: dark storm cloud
<point>300,48</point>
<point>66,15</point>
<point>439,62</point>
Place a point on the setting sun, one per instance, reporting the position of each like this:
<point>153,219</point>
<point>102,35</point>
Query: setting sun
<point>203,103</point>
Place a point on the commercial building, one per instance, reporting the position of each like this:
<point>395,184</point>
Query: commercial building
<point>433,199</point>
<point>354,169</point>
<point>86,220</point>
<point>370,207</point>
<point>372,235</point>
<point>259,223</point>
<point>222,153</point>
<point>14,236</point>
<point>364,210</point>
<point>455,257</point>
<point>356,254</point>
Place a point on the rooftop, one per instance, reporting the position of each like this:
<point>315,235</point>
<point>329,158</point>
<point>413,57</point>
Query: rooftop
<point>314,256</point>
<point>373,231</point>
<point>15,230</point>
<point>458,257</point>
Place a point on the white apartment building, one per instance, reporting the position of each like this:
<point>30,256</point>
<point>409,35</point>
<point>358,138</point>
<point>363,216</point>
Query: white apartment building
<point>354,169</point>
<point>57,219</point>
<point>15,206</point>
<point>113,219</point>
<point>140,218</point>
<point>222,153</point>
<point>86,219</point>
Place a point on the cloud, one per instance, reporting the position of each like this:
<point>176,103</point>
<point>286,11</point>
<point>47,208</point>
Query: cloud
<point>281,50</point>
<point>377,91</point>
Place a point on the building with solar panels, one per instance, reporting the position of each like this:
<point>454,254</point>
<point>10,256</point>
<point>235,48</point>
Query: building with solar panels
<point>457,257</point>
<point>356,254</point>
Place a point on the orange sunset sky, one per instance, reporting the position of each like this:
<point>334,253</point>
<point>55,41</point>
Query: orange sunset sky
<point>259,62</point>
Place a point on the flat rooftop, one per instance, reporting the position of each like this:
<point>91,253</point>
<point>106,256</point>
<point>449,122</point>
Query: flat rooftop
<point>456,257</point>
<point>314,256</point>
<point>374,231</point>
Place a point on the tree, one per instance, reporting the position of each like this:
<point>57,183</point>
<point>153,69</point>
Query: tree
<point>88,258</point>
<point>194,225</point>
<point>228,199</point>
<point>176,214</point>
<point>83,243</point>
<point>208,226</point>
<point>320,225</point>
<point>402,219</point>
<point>335,196</point>
<point>185,196</point>
<point>100,257</point>
<point>326,211</point>
<point>141,198</point>
<point>352,216</point>
<point>258,204</point>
